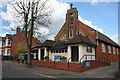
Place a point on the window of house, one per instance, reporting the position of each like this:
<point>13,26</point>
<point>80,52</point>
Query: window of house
<point>71,18</point>
<point>71,33</point>
<point>9,52</point>
<point>64,37</point>
<point>103,47</point>
<point>113,50</point>
<point>89,49</point>
<point>109,49</point>
<point>9,43</point>
<point>3,52</point>
<point>117,51</point>
<point>3,44</point>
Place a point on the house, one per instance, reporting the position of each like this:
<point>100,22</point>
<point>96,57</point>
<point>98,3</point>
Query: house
<point>76,39</point>
<point>5,45</point>
<point>19,38</point>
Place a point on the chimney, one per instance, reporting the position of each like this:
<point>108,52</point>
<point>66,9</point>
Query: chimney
<point>18,30</point>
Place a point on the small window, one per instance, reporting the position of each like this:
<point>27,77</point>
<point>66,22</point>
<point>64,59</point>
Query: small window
<point>9,43</point>
<point>9,52</point>
<point>117,51</point>
<point>51,51</point>
<point>89,49</point>
<point>62,51</point>
<point>64,37</point>
<point>71,33</point>
<point>113,50</point>
<point>78,32</point>
<point>59,51</point>
<point>103,48</point>
<point>65,51</point>
<point>71,18</point>
<point>56,51</point>
<point>109,49</point>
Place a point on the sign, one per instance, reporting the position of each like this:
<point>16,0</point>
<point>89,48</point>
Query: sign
<point>56,57</point>
<point>87,64</point>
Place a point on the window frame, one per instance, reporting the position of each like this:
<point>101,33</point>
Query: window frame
<point>103,48</point>
<point>109,49</point>
<point>70,33</point>
<point>117,51</point>
<point>89,51</point>
<point>114,50</point>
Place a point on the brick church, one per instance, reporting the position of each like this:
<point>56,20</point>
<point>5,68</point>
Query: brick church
<point>75,40</point>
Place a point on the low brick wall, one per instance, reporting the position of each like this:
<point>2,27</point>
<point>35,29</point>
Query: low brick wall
<point>72,66</point>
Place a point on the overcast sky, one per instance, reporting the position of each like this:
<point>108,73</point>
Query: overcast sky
<point>102,16</point>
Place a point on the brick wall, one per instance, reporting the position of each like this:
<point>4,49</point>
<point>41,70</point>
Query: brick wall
<point>72,66</point>
<point>112,57</point>
<point>19,38</point>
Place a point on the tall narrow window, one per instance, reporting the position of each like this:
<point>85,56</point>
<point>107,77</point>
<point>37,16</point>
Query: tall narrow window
<point>117,51</point>
<point>109,49</point>
<point>71,33</point>
<point>9,43</point>
<point>103,47</point>
<point>113,50</point>
<point>8,51</point>
<point>71,18</point>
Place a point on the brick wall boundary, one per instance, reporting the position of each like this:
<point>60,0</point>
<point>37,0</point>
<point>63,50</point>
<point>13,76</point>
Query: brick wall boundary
<point>72,66</point>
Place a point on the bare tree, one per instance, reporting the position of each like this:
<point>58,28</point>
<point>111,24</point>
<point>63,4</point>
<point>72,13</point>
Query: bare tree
<point>33,14</point>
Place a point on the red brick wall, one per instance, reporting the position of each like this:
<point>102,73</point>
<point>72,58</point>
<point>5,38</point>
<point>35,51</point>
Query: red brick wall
<point>112,57</point>
<point>19,38</point>
<point>72,66</point>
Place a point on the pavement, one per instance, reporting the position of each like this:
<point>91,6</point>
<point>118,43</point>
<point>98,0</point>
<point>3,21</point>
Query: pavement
<point>101,72</point>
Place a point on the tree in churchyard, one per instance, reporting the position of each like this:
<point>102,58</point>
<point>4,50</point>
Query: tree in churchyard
<point>21,49</point>
<point>33,14</point>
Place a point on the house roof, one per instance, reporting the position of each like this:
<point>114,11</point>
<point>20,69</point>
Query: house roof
<point>81,39</point>
<point>62,44</point>
<point>103,37</point>
<point>106,39</point>
<point>59,45</point>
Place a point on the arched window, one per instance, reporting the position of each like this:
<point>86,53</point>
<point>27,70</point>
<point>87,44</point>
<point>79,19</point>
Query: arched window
<point>71,18</point>
<point>103,48</point>
<point>109,49</point>
<point>71,33</point>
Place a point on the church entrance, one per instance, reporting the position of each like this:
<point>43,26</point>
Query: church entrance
<point>42,54</point>
<point>74,53</point>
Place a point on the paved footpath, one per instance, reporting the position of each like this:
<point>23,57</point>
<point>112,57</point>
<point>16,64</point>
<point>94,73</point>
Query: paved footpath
<point>101,72</point>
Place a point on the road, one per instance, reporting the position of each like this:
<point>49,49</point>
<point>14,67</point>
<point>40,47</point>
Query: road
<point>9,72</point>
<point>16,70</point>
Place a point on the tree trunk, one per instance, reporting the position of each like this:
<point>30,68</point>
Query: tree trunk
<point>29,58</point>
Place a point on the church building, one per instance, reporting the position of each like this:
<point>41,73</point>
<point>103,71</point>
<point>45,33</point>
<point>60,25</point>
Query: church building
<point>76,40</point>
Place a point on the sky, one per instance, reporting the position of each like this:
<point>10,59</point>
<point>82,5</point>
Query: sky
<point>102,16</point>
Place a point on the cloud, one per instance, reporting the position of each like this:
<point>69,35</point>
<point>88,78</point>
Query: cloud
<point>93,2</point>
<point>4,34</point>
<point>58,19</point>
<point>89,23</point>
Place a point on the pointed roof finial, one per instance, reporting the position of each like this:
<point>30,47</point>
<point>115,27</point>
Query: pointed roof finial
<point>71,5</point>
